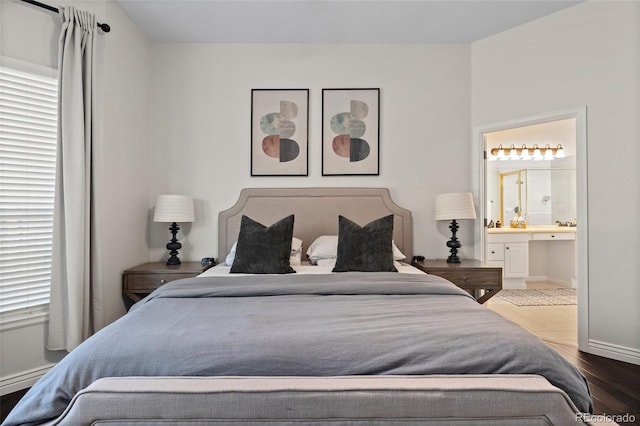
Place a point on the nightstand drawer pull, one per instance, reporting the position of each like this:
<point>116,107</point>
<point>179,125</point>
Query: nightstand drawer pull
<point>162,281</point>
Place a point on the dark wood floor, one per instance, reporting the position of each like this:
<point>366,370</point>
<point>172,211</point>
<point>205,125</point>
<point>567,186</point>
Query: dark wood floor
<point>7,402</point>
<point>615,385</point>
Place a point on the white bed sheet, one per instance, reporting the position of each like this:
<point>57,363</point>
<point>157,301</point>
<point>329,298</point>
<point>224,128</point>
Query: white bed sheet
<point>304,268</point>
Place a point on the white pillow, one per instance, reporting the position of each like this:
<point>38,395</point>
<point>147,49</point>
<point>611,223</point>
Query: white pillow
<point>326,247</point>
<point>296,245</point>
<point>397,254</point>
<point>323,247</point>
<point>295,259</point>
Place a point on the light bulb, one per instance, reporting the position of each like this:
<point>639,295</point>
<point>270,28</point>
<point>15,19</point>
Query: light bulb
<point>537,155</point>
<point>548,154</point>
<point>513,153</point>
<point>501,155</point>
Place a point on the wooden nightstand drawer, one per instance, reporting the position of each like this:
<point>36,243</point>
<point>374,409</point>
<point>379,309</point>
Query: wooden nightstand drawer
<point>140,281</point>
<point>480,279</point>
<point>474,278</point>
<point>152,281</point>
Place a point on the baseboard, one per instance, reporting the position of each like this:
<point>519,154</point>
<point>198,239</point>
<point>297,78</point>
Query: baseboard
<point>514,283</point>
<point>23,380</point>
<point>537,278</point>
<point>560,282</point>
<point>620,353</point>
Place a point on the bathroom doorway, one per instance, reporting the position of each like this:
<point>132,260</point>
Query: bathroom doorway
<point>541,204</point>
<point>530,203</point>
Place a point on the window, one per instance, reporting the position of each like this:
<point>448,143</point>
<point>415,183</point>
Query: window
<point>28,133</point>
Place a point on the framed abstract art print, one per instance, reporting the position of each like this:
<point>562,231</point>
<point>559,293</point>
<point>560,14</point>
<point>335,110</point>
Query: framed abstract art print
<point>350,132</point>
<point>279,132</point>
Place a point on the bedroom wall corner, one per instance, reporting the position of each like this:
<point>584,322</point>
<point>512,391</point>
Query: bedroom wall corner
<point>125,155</point>
<point>585,55</point>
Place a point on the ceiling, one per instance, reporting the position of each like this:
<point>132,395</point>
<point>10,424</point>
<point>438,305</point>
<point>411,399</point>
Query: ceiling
<point>332,21</point>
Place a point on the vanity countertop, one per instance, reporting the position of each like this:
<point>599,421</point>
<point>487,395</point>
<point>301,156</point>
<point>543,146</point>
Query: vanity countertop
<point>532,229</point>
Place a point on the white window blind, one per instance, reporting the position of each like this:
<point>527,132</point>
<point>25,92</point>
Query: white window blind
<point>28,132</point>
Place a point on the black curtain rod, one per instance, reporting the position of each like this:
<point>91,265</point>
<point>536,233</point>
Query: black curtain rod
<point>104,27</point>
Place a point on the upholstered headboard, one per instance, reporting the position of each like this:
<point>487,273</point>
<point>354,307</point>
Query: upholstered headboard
<point>316,213</point>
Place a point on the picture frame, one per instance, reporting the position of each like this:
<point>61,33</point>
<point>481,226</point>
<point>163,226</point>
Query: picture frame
<point>280,132</point>
<point>351,132</point>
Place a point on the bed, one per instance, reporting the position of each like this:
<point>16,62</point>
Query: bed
<point>314,347</point>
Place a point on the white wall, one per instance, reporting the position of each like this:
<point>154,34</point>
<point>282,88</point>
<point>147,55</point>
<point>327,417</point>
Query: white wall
<point>29,33</point>
<point>201,129</point>
<point>122,171</point>
<point>583,55</point>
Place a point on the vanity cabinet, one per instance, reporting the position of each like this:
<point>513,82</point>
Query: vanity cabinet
<point>509,249</point>
<point>553,236</point>
<point>516,260</point>
<point>511,253</point>
<point>495,252</point>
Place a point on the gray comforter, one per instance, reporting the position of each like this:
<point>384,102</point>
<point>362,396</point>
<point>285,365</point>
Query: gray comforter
<point>324,325</point>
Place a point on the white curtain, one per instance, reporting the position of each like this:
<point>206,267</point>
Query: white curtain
<point>76,305</point>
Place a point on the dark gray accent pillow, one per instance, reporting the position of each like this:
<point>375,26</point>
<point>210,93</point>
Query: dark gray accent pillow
<point>367,248</point>
<point>262,250</point>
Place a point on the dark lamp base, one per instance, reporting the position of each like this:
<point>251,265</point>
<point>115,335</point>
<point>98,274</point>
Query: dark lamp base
<point>173,246</point>
<point>453,243</point>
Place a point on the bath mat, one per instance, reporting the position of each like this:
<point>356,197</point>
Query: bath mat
<point>539,297</point>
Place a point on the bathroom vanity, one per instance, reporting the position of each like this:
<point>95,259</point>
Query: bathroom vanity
<point>534,253</point>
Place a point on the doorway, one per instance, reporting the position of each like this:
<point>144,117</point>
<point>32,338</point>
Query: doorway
<point>490,209</point>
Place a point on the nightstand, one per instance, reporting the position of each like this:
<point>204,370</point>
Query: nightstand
<point>471,275</point>
<point>141,280</point>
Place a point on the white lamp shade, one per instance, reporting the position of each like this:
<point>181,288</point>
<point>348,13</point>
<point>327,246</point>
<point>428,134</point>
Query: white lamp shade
<point>455,205</point>
<point>174,208</point>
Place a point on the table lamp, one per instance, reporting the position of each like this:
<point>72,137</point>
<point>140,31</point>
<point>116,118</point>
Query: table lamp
<point>174,208</point>
<point>454,206</point>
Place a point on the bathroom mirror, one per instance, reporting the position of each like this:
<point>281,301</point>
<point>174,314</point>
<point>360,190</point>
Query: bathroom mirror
<point>511,191</point>
<point>541,196</point>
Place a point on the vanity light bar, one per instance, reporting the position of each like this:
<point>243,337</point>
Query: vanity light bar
<point>526,153</point>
